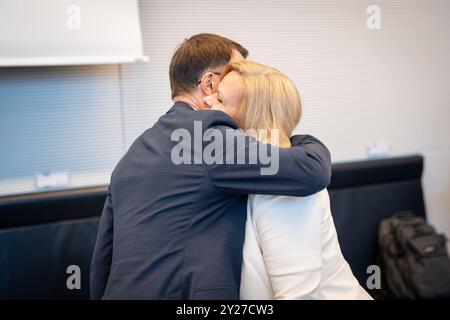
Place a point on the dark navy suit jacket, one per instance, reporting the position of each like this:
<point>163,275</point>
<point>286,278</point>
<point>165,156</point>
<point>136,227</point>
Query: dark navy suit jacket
<point>172,231</point>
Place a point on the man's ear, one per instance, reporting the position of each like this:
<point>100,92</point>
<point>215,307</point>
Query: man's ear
<point>208,84</point>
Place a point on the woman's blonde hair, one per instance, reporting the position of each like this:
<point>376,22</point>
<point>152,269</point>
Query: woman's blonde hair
<point>270,101</point>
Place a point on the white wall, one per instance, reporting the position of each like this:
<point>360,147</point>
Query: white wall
<point>358,86</point>
<point>58,32</point>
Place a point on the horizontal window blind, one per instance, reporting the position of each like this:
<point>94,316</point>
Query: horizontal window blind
<point>64,120</point>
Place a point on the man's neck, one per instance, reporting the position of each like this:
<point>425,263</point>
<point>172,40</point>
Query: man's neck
<point>191,100</point>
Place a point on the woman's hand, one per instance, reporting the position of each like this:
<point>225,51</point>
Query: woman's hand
<point>213,103</point>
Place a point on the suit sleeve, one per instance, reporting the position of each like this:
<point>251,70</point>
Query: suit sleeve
<point>102,257</point>
<point>301,170</point>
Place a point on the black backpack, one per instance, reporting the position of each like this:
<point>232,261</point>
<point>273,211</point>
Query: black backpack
<point>413,259</point>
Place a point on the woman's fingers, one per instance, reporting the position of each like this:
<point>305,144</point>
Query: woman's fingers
<point>211,100</point>
<point>213,103</point>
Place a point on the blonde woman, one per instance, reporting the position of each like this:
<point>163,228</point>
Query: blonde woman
<point>291,250</point>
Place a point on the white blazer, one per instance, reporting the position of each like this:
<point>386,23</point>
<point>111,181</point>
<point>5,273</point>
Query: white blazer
<point>291,251</point>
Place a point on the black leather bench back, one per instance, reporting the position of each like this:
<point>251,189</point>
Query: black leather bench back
<point>362,194</point>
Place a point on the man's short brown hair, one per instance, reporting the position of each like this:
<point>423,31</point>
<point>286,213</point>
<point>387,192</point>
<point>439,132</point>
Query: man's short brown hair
<point>197,54</point>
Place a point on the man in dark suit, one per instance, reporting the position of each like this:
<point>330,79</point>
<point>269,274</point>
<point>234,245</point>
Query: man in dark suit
<point>172,230</point>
